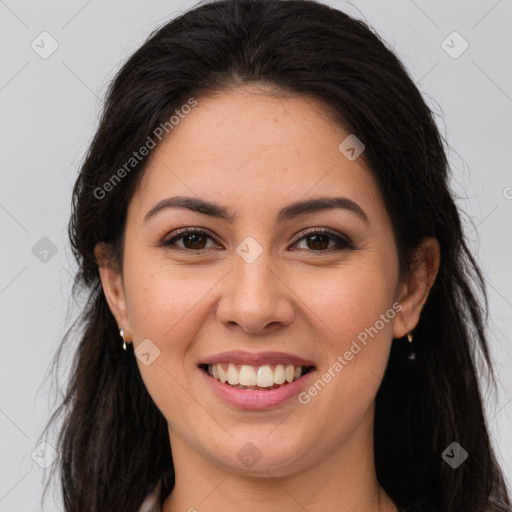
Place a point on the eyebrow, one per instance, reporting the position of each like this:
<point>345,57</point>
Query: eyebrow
<point>289,212</point>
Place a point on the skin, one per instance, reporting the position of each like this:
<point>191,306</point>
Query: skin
<point>255,153</point>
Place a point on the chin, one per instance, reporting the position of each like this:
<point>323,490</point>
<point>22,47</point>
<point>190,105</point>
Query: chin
<point>250,454</point>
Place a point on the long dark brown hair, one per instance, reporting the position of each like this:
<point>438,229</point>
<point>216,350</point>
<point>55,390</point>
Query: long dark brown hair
<point>113,441</point>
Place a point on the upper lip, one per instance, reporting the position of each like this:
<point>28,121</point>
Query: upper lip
<point>256,359</point>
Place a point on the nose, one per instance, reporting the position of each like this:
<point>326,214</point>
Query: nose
<point>255,297</point>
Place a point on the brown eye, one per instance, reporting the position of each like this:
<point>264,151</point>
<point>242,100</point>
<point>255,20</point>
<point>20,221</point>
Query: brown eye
<point>318,241</point>
<point>192,240</point>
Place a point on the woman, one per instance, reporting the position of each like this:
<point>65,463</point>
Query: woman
<point>283,311</point>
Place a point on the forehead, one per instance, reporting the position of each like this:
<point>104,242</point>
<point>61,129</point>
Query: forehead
<point>256,151</point>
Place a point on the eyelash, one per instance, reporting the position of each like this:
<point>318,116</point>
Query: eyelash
<point>345,243</point>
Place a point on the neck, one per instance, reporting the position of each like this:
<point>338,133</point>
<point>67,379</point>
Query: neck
<point>344,480</point>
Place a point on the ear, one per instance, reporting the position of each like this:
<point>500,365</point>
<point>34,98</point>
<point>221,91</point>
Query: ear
<point>113,287</point>
<point>414,293</point>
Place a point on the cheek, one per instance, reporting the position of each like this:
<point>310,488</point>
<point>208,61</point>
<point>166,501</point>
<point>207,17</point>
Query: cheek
<point>348,301</point>
<point>162,297</point>
<point>166,305</point>
<point>167,302</point>
<point>352,311</point>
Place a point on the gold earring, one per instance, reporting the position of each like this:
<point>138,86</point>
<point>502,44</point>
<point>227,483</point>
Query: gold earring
<point>409,337</point>
<point>121,333</point>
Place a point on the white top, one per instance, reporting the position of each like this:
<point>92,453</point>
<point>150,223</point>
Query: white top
<point>151,503</point>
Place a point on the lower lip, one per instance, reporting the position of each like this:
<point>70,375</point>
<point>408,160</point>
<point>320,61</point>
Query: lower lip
<point>257,400</point>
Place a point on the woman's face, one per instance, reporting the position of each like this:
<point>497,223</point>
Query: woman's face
<point>256,283</point>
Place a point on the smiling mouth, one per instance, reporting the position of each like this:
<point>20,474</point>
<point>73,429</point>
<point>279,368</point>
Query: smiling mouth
<point>259,378</point>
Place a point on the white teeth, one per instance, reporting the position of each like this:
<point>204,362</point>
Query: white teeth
<point>288,373</point>
<point>251,376</point>
<point>265,377</point>
<point>233,375</point>
<point>223,376</point>
<point>279,374</point>
<point>247,376</point>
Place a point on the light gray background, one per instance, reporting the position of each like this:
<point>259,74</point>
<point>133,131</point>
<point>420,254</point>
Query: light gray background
<point>49,113</point>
